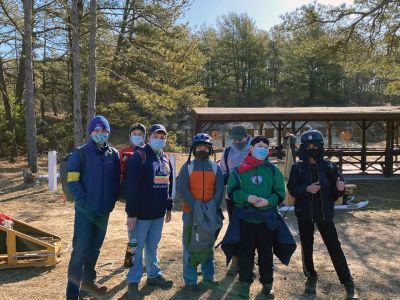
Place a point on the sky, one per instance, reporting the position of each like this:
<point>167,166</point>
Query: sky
<point>265,12</point>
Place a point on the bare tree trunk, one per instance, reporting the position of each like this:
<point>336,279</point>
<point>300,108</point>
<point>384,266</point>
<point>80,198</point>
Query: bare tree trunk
<point>29,95</point>
<point>19,86</point>
<point>8,111</point>
<point>76,72</point>
<point>120,39</point>
<point>44,83</point>
<point>91,107</point>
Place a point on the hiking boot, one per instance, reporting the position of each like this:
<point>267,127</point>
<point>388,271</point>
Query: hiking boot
<point>234,266</point>
<point>210,283</point>
<point>351,292</point>
<point>128,258</point>
<point>133,291</point>
<point>192,288</point>
<point>311,285</point>
<point>267,291</point>
<point>243,290</point>
<point>93,288</point>
<point>160,281</point>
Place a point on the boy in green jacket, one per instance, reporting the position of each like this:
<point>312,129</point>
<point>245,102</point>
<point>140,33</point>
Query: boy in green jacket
<point>262,186</point>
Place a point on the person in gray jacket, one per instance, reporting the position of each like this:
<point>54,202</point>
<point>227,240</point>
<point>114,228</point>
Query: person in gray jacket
<point>232,156</point>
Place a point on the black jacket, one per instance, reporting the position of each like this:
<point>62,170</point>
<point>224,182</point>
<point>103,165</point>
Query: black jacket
<point>301,177</point>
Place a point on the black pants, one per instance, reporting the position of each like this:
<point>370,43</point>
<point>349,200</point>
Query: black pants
<point>229,207</point>
<point>329,236</point>
<point>252,237</point>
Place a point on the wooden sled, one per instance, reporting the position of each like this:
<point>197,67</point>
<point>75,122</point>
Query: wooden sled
<point>27,246</point>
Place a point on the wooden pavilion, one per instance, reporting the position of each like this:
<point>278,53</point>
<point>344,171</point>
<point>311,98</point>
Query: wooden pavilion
<point>284,119</point>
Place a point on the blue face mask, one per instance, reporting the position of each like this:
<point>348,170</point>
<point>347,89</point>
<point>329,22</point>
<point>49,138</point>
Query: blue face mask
<point>136,140</point>
<point>157,144</point>
<point>100,138</point>
<point>260,153</point>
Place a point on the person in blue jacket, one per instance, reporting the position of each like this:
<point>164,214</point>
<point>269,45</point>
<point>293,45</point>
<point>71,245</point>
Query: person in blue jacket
<point>149,202</point>
<point>93,178</point>
<point>315,183</point>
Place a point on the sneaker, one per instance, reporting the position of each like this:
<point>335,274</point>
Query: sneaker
<point>234,266</point>
<point>93,288</point>
<point>267,291</point>
<point>133,291</point>
<point>351,292</point>
<point>210,283</point>
<point>311,285</point>
<point>160,281</point>
<point>244,290</point>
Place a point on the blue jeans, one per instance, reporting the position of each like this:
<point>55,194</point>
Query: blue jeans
<point>89,233</point>
<point>189,272</point>
<point>147,234</point>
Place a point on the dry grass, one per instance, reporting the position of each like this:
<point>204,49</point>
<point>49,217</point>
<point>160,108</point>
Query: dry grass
<point>370,239</point>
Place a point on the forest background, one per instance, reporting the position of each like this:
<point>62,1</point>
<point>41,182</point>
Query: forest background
<point>62,61</point>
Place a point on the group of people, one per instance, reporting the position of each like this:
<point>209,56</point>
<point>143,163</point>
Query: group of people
<point>253,187</point>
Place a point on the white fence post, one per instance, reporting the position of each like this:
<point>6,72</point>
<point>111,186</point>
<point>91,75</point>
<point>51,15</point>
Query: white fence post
<point>52,172</point>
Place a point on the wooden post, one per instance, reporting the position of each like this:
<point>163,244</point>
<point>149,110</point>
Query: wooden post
<point>364,147</point>
<point>330,133</point>
<point>279,141</point>
<point>260,128</point>
<point>294,127</point>
<point>196,124</point>
<point>388,170</point>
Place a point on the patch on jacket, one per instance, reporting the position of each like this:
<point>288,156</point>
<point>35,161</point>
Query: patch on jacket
<point>256,179</point>
<point>161,172</point>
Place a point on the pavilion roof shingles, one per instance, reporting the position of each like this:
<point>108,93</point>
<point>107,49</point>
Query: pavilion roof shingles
<point>255,114</point>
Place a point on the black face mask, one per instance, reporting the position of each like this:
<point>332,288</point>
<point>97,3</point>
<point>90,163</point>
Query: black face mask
<point>313,153</point>
<point>201,154</point>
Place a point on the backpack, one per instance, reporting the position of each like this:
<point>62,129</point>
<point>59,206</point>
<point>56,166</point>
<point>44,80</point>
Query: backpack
<point>64,173</point>
<point>206,222</point>
<point>124,158</point>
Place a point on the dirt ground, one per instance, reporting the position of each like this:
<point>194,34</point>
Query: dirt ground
<point>370,238</point>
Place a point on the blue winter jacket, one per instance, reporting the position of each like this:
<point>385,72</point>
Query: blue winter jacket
<point>148,185</point>
<point>283,242</point>
<point>94,182</point>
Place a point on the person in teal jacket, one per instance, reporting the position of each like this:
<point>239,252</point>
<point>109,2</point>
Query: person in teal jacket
<point>261,186</point>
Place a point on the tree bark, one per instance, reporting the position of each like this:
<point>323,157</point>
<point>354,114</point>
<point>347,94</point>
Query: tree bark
<point>76,72</point>
<point>19,86</point>
<point>29,95</point>
<point>91,107</point>
<point>8,111</point>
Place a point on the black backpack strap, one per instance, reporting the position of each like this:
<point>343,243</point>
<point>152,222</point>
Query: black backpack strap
<point>226,154</point>
<point>82,158</point>
<point>235,173</point>
<point>142,154</point>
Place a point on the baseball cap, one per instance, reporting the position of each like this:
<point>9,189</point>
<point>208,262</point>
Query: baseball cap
<point>157,128</point>
<point>238,132</point>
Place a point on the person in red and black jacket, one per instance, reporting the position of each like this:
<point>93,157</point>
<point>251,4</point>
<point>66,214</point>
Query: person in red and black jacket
<point>137,136</point>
